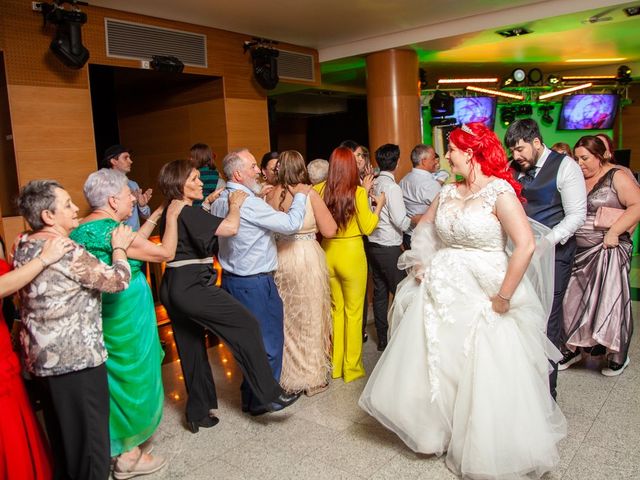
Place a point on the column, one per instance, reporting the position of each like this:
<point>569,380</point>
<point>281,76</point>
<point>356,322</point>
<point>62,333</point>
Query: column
<point>393,103</point>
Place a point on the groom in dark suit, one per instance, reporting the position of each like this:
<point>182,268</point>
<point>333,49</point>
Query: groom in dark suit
<point>554,188</point>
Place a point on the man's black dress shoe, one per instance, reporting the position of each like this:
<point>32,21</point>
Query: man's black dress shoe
<point>284,400</point>
<point>206,422</point>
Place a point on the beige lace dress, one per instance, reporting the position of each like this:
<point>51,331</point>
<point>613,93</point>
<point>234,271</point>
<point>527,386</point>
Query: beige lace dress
<point>303,283</point>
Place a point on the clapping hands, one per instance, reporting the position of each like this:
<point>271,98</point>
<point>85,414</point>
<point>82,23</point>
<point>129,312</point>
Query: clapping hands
<point>142,199</point>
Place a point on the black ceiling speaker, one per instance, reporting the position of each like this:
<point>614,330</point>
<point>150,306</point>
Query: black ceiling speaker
<point>67,43</point>
<point>265,66</point>
<point>162,63</point>
<point>441,104</point>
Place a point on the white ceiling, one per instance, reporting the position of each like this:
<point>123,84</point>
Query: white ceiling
<point>453,35</point>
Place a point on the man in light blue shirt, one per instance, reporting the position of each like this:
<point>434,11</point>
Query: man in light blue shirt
<point>250,258</point>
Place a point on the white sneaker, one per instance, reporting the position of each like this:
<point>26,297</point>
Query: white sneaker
<point>615,369</point>
<point>569,359</point>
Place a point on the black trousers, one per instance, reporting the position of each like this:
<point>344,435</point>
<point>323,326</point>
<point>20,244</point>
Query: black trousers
<point>565,255</point>
<point>76,415</point>
<point>194,303</point>
<point>406,241</point>
<point>386,277</point>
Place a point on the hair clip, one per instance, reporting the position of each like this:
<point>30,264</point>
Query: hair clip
<point>465,128</point>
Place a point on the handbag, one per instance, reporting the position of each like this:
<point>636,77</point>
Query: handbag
<point>606,217</point>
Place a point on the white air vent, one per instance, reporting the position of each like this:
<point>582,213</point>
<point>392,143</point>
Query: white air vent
<point>141,42</point>
<point>296,66</point>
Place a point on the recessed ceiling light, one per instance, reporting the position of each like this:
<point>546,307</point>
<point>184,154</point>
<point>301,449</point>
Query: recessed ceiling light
<point>595,60</point>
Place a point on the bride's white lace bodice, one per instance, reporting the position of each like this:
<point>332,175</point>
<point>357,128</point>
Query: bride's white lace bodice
<point>470,222</point>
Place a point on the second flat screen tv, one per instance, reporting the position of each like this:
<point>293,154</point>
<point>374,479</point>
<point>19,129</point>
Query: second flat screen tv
<point>475,109</point>
<point>588,112</point>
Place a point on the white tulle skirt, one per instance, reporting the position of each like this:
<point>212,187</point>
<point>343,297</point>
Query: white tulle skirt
<point>458,378</point>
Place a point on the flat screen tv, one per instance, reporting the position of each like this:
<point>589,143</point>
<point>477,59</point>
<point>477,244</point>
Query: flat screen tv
<point>588,112</point>
<point>475,109</point>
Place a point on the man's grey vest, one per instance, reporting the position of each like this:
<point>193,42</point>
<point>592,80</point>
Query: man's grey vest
<point>544,203</point>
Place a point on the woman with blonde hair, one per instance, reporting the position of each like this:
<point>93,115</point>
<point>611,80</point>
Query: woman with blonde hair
<point>303,283</point>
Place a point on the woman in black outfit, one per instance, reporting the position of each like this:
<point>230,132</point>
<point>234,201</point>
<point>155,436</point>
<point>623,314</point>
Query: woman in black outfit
<point>194,303</point>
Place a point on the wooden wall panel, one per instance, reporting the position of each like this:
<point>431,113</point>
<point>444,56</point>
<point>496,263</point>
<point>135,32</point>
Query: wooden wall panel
<point>159,136</point>
<point>50,118</point>
<point>8,174</point>
<point>70,167</point>
<point>208,125</point>
<point>13,226</point>
<point>53,136</point>
<point>247,123</point>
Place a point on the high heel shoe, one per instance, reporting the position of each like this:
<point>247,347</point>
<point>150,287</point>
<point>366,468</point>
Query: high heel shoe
<point>206,422</point>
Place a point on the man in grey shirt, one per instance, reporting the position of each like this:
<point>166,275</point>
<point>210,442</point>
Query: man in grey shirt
<point>419,186</point>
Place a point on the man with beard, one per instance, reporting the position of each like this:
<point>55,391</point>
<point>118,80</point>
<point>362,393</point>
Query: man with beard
<point>250,258</point>
<point>554,188</point>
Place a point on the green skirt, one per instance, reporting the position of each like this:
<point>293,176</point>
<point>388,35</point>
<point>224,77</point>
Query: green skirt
<point>134,364</point>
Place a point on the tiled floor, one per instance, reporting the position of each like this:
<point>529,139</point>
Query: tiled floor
<point>329,437</point>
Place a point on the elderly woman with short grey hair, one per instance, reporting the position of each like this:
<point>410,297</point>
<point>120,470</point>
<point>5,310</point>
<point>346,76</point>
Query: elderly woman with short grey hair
<point>318,170</point>
<point>130,333</point>
<point>61,333</point>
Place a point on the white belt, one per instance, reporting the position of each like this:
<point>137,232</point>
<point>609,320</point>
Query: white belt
<point>191,261</point>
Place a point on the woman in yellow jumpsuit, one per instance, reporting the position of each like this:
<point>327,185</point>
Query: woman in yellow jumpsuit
<point>348,203</point>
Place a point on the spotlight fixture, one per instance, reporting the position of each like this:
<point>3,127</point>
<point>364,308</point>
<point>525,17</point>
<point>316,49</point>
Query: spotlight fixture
<point>497,93</point>
<point>507,115</point>
<point>632,11</point>
<point>265,63</point>
<point>468,80</point>
<point>524,109</point>
<point>564,90</point>
<point>546,110</point>
<point>508,81</point>
<point>518,75</point>
<point>67,43</point>
<point>514,32</point>
<point>624,75</point>
<point>441,104</point>
<point>534,76</point>
<point>553,80</point>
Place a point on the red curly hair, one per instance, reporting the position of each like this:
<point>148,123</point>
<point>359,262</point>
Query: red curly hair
<point>340,190</point>
<point>487,152</point>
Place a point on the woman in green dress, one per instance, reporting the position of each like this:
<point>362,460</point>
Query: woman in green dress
<point>130,331</point>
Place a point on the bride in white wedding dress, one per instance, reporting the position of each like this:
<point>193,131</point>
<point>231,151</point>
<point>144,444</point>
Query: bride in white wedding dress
<point>466,368</point>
